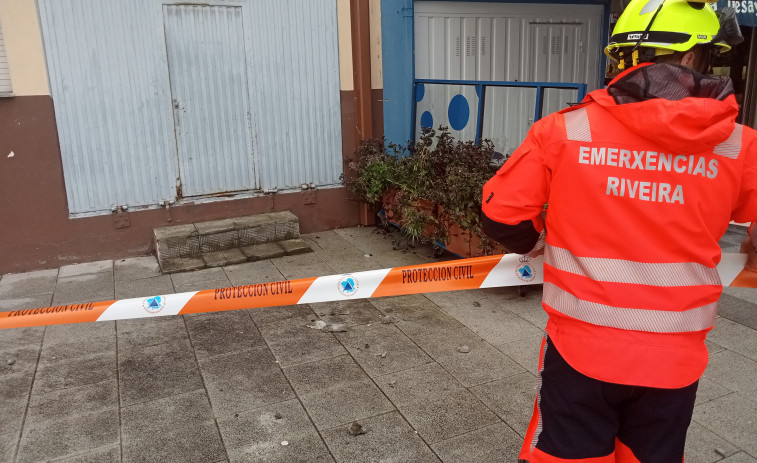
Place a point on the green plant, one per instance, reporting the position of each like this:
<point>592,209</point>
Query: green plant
<point>429,187</point>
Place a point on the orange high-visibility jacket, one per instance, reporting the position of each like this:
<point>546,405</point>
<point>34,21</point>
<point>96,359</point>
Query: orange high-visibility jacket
<point>641,181</point>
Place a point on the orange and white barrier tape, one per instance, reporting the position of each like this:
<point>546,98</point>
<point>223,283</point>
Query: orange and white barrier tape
<point>480,272</point>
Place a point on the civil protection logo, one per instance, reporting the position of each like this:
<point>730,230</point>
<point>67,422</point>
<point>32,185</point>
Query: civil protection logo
<point>524,270</point>
<point>348,285</point>
<point>154,304</point>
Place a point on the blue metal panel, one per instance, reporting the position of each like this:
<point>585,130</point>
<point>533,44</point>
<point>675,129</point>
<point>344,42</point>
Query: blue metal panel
<point>398,68</point>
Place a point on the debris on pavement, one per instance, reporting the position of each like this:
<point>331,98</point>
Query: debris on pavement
<point>285,442</point>
<point>327,327</point>
<point>11,361</point>
<point>277,416</point>
<point>356,429</point>
<point>476,304</point>
<point>463,349</point>
<point>335,328</point>
<point>317,324</point>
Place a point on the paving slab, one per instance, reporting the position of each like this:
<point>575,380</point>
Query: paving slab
<point>734,336</point>
<point>8,444</point>
<point>26,302</point>
<point>198,280</point>
<point>68,342</point>
<point>181,264</point>
<point>214,226</point>
<point>349,313</point>
<point>136,268</point>
<point>263,251</point>
<point>704,446</point>
<point>298,314</point>
<point>251,221</point>
<point>524,351</point>
<point>492,444</point>
<point>382,348</point>
<point>368,239</point>
<point>294,246</point>
<point>90,287</point>
<point>145,332</point>
<point>28,284</point>
<point>88,268</point>
<point>14,394</point>
<point>65,404</point>
<point>244,380</point>
<point>219,258</point>
<point>740,457</point>
<point>107,454</point>
<point>475,362</point>
<point>70,436</point>
<point>253,272</point>
<point>738,310</point>
<point>19,337</point>
<point>302,266</point>
<point>79,371</point>
<point>144,287</point>
<point>388,438</point>
<point>485,316</point>
<point>735,372</point>
<point>733,416</point>
<point>336,391</point>
<point>512,399</point>
<point>256,436</point>
<point>283,216</point>
<point>435,403</point>
<point>293,343</point>
<point>155,372</point>
<point>710,390</point>
<point>222,332</point>
<point>19,360</point>
<point>178,428</point>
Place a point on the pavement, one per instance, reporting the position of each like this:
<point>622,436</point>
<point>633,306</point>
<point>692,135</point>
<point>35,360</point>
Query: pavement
<point>424,378</point>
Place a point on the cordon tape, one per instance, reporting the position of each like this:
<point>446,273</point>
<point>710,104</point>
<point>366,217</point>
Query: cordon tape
<point>474,273</point>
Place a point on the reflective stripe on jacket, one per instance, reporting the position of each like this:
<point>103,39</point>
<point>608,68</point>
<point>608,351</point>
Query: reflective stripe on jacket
<point>639,194</point>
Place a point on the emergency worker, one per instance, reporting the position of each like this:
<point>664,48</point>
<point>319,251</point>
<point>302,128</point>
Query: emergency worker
<point>641,180</point>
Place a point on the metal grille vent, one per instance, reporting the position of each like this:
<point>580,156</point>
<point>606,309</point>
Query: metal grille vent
<point>457,46</point>
<point>470,46</point>
<point>556,45</point>
<point>483,46</point>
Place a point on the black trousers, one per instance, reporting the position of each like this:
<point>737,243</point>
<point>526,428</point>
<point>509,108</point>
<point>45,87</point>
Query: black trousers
<point>577,417</point>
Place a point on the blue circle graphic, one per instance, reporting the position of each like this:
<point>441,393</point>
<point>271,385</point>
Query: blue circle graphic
<point>459,112</point>
<point>420,92</point>
<point>427,120</point>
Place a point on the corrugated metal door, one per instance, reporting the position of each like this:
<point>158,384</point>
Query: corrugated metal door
<point>208,74</point>
<point>296,82</point>
<point>132,79</point>
<point>508,42</point>
<point>108,78</point>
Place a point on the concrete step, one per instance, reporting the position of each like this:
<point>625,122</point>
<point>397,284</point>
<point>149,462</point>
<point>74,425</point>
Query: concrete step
<point>216,243</point>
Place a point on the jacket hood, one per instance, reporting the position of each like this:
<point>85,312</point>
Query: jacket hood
<point>653,99</point>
